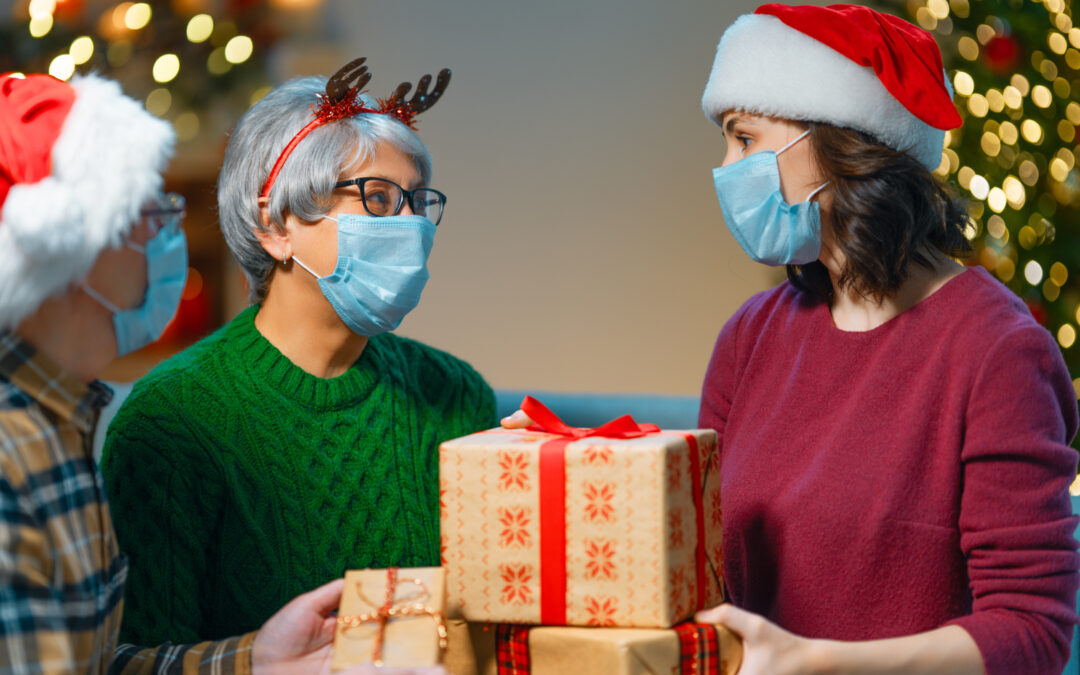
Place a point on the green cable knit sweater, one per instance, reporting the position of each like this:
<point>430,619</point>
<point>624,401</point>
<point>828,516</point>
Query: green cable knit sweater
<point>237,481</point>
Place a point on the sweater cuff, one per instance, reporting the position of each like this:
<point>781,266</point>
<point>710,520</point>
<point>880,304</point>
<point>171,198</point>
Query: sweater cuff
<point>244,648</point>
<point>1017,642</point>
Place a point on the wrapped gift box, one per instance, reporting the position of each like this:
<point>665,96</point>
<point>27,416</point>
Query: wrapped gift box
<point>615,526</point>
<point>687,649</point>
<point>391,617</point>
<point>470,648</point>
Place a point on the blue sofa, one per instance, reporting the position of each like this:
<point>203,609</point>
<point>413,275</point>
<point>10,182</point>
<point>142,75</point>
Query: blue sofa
<point>592,410</point>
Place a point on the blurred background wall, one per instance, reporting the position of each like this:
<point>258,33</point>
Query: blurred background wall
<point>582,247</point>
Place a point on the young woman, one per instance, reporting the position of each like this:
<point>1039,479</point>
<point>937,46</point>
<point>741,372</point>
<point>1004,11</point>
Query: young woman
<point>301,439</point>
<point>894,426</point>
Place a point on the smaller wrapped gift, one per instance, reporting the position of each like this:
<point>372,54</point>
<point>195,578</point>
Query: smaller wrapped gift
<point>556,525</point>
<point>391,617</point>
<point>685,649</point>
<point>506,649</point>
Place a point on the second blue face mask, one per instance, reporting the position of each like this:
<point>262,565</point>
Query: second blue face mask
<point>770,230</point>
<point>381,270</point>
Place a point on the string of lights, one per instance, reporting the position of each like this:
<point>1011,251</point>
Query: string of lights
<point>1015,67</point>
<point>197,63</point>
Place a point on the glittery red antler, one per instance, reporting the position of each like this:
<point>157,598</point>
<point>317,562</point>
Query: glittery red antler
<point>342,99</point>
<point>421,100</point>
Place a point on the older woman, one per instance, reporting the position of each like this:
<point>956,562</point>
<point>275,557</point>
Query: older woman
<point>299,440</point>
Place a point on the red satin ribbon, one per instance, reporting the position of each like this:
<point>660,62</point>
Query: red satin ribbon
<point>553,500</point>
<point>547,421</point>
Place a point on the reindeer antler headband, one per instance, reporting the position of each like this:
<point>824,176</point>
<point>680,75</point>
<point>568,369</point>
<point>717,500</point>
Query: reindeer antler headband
<point>342,100</point>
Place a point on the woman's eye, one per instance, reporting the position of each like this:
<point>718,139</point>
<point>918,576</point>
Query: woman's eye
<point>377,197</point>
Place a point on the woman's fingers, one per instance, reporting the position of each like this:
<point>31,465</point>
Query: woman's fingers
<point>738,621</point>
<point>516,420</point>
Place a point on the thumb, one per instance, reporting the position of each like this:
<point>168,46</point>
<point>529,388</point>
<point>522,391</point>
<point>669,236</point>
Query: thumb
<point>516,420</point>
<point>325,598</point>
<point>729,616</point>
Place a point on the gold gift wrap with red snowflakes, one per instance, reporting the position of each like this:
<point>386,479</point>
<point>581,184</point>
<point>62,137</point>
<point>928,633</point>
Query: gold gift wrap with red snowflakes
<point>556,525</point>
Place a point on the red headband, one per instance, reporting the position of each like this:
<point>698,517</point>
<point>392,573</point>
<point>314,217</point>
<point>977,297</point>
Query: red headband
<point>342,100</point>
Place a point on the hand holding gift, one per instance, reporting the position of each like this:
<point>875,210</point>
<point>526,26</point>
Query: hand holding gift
<point>297,638</point>
<point>391,617</point>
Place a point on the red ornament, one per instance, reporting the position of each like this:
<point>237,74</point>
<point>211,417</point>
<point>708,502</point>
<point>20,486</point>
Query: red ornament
<point>1001,54</point>
<point>1038,311</point>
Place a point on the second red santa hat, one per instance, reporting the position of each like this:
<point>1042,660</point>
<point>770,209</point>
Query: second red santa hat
<point>843,64</point>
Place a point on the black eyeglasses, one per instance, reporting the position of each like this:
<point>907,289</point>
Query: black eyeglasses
<point>164,212</point>
<point>383,197</point>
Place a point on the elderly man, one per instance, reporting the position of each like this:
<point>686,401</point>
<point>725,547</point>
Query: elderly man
<point>94,265</point>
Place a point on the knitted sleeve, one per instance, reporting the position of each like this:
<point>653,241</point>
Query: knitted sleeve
<point>476,406</point>
<point>720,379</point>
<point>164,498</point>
<point>1016,524</point>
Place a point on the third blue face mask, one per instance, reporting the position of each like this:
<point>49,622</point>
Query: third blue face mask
<point>381,270</point>
<point>770,230</point>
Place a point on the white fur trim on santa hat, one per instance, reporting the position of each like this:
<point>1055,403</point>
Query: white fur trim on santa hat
<point>764,66</point>
<point>105,165</point>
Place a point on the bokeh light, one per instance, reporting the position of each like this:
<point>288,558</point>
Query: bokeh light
<point>238,49</point>
<point>1066,336</point>
<point>62,67</point>
<point>1033,272</point>
<point>200,27</point>
<point>81,50</point>
<point>137,16</point>
<point>166,68</point>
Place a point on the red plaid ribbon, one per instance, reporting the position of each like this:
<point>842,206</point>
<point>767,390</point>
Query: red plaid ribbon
<point>512,649</point>
<point>699,648</point>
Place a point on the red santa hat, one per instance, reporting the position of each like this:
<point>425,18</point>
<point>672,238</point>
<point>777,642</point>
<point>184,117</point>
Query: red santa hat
<point>843,64</point>
<point>77,162</point>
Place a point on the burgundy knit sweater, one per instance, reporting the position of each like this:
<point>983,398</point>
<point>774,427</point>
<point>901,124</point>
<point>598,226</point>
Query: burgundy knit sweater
<point>888,482</point>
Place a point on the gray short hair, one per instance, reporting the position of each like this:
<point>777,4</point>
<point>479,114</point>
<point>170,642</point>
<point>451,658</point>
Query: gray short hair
<point>306,182</point>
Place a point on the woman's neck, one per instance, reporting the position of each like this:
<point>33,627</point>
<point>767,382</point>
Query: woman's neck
<point>854,312</point>
<point>308,331</point>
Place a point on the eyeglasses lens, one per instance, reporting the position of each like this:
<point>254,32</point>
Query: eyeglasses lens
<point>165,213</point>
<point>382,198</point>
<point>428,203</point>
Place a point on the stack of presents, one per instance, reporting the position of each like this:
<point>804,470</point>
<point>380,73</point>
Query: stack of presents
<point>564,550</point>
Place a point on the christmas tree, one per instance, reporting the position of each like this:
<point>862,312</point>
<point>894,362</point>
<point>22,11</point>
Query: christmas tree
<point>1015,66</point>
<point>197,63</point>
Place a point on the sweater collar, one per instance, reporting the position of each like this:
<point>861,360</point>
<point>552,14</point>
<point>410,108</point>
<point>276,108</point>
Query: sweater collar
<point>265,364</point>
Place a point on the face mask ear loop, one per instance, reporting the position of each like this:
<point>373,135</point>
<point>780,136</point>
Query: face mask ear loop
<point>797,139</point>
<point>102,300</point>
<point>306,268</point>
<point>817,190</point>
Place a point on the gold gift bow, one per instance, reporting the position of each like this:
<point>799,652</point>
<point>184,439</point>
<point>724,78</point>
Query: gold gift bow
<point>388,611</point>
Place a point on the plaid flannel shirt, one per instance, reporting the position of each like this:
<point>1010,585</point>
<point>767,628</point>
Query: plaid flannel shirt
<point>61,573</point>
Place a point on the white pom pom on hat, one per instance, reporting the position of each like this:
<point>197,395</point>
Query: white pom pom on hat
<point>77,162</point>
<point>845,65</point>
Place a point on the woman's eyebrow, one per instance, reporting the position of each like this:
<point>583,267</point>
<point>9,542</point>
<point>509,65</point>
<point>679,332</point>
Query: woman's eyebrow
<point>729,124</point>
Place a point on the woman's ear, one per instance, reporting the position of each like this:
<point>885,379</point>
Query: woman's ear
<point>273,239</point>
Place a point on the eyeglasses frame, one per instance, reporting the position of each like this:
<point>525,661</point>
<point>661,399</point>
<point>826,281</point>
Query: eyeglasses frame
<point>408,194</point>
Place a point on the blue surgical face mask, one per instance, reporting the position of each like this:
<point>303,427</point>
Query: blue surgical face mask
<point>381,270</point>
<point>166,273</point>
<point>770,230</point>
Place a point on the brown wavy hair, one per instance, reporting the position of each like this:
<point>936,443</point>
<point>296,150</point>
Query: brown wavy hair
<point>888,211</point>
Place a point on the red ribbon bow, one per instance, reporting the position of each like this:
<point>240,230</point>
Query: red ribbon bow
<point>547,421</point>
<point>553,500</point>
